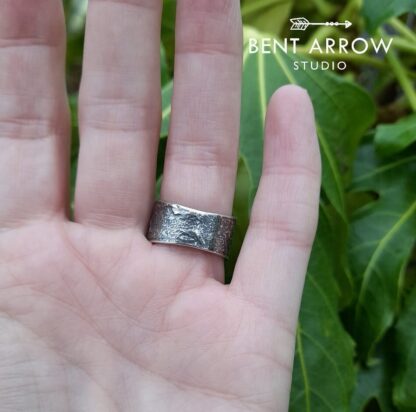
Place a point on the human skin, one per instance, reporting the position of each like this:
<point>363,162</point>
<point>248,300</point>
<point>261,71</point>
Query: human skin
<point>92,316</point>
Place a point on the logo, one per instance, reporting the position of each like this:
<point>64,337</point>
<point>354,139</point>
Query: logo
<point>320,54</point>
<point>301,23</point>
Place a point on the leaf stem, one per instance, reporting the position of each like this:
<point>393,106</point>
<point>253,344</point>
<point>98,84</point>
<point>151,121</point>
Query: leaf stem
<point>325,8</point>
<point>402,77</point>
<point>402,29</point>
<point>350,9</point>
<point>404,45</point>
<point>401,73</point>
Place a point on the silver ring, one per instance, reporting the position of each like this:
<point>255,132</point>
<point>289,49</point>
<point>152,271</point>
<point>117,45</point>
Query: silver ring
<point>174,224</point>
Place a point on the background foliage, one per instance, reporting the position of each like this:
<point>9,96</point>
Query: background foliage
<point>356,340</point>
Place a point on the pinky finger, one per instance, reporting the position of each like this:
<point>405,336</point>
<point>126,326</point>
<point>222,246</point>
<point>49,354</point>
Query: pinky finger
<point>274,258</point>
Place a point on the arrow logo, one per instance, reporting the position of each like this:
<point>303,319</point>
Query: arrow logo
<point>301,23</point>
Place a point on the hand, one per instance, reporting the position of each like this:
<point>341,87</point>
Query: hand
<point>94,317</point>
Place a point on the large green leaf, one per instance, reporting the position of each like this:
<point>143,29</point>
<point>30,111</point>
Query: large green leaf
<point>339,246</point>
<point>267,15</point>
<point>405,383</point>
<point>343,113</point>
<point>323,375</point>
<point>382,238</point>
<point>377,12</point>
<point>393,138</point>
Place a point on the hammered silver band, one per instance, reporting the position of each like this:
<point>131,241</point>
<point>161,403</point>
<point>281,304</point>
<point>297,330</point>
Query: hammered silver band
<point>174,224</point>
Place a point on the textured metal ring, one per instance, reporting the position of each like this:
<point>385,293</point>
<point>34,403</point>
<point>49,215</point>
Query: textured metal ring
<point>174,224</point>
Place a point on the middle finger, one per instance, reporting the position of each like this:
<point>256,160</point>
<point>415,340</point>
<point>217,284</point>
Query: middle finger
<point>119,113</point>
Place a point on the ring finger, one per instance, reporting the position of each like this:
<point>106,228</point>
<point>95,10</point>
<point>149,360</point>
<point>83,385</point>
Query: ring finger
<point>201,155</point>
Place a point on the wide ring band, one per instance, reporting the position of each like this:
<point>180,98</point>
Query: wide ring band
<point>174,224</point>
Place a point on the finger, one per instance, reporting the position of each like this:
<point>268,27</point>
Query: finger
<point>34,121</point>
<point>119,113</point>
<point>201,154</point>
<point>274,258</point>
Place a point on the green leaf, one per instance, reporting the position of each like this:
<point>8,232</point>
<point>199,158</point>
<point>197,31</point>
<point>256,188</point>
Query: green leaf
<point>339,245</point>
<point>73,105</point>
<point>241,210</point>
<point>393,138</point>
<point>373,384</point>
<point>343,113</point>
<point>266,15</point>
<point>323,376</point>
<point>167,91</point>
<point>316,8</point>
<point>376,12</point>
<point>164,69</point>
<point>75,13</point>
<point>405,382</point>
<point>381,241</point>
<point>168,29</point>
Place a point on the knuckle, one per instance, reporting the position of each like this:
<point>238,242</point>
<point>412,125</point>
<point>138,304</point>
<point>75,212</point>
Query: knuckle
<point>211,27</point>
<point>288,232</point>
<point>27,117</point>
<point>205,153</point>
<point>293,170</point>
<point>216,7</point>
<point>31,23</point>
<point>199,45</point>
<point>143,4</point>
<point>20,128</point>
<point>119,114</point>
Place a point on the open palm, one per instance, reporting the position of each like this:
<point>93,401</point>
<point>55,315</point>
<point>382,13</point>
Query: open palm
<point>92,316</point>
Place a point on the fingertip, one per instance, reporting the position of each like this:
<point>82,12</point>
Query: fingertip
<point>291,100</point>
<point>290,93</point>
<point>290,128</point>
